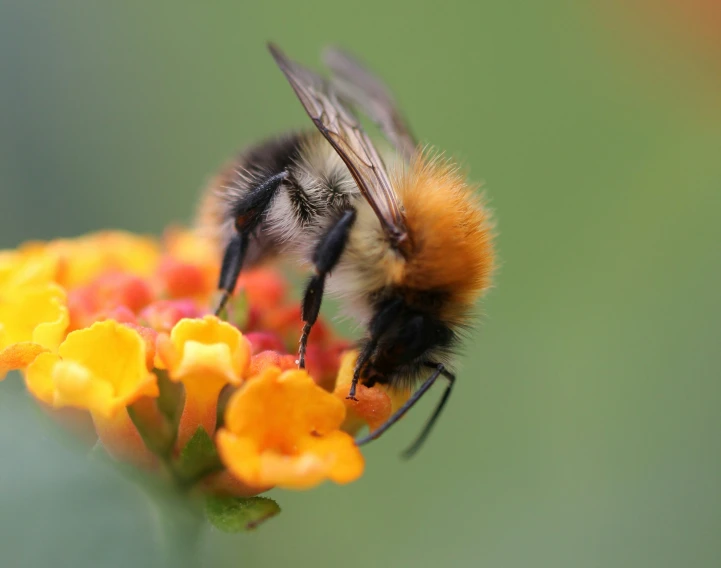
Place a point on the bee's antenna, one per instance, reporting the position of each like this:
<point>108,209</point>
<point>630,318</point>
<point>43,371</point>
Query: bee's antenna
<point>416,445</point>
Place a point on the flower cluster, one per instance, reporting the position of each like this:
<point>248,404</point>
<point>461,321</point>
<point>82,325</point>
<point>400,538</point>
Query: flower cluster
<point>114,331</point>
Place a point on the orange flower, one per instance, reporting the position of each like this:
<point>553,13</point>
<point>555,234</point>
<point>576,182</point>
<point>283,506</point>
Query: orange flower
<point>101,368</point>
<point>266,359</point>
<point>374,405</point>
<point>113,295</point>
<point>84,258</point>
<point>162,315</point>
<point>322,362</point>
<point>191,266</point>
<point>282,429</point>
<point>264,288</point>
<point>183,279</point>
<point>74,262</point>
<point>205,355</point>
<point>32,320</point>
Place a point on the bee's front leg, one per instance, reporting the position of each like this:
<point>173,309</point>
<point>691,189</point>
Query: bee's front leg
<point>327,253</point>
<point>230,269</point>
<point>248,214</point>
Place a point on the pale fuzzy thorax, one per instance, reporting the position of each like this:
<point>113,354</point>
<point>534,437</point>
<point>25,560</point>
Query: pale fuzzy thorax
<point>320,172</point>
<point>368,264</point>
<point>326,184</point>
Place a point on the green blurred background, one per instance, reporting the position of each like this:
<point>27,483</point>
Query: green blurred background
<point>585,427</point>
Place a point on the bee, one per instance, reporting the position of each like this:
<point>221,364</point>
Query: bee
<point>407,247</point>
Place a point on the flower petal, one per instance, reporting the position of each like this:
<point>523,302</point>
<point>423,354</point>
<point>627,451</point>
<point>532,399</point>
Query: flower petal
<point>32,267</point>
<point>113,295</point>
<point>277,407</point>
<point>18,356</point>
<point>266,359</point>
<point>205,355</point>
<point>207,346</point>
<point>38,377</point>
<point>373,405</point>
<point>162,315</point>
<point>32,320</point>
<point>75,385</point>
<point>102,368</point>
<point>333,457</point>
<point>37,314</point>
<point>282,429</point>
<point>85,258</point>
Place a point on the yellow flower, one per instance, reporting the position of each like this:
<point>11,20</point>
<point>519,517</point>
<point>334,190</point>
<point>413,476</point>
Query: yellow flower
<point>22,269</point>
<point>101,368</point>
<point>205,355</point>
<point>283,429</point>
<point>32,320</point>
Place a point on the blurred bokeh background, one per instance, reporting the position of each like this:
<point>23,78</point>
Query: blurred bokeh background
<point>586,426</point>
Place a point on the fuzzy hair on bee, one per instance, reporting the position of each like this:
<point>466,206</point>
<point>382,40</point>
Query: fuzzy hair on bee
<point>408,249</point>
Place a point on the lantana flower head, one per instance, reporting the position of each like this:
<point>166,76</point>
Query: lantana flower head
<point>118,327</point>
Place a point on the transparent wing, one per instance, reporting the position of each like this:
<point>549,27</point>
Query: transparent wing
<point>349,140</point>
<point>356,84</point>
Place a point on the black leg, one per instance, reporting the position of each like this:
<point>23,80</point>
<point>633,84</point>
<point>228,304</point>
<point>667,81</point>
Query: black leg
<point>415,446</point>
<point>360,364</point>
<point>248,213</point>
<point>229,271</point>
<point>309,312</point>
<point>380,323</point>
<point>325,257</point>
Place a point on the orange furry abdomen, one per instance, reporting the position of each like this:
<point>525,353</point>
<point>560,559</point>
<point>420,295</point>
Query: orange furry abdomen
<point>450,230</point>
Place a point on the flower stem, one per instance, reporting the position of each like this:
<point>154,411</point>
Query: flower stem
<point>178,522</point>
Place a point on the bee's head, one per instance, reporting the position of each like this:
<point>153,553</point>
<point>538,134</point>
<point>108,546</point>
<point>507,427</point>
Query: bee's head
<point>404,337</point>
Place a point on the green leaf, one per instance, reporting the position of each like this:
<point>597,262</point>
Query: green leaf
<point>198,458</point>
<point>157,420</point>
<point>238,514</point>
<point>171,399</point>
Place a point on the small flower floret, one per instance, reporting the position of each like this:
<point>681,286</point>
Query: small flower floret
<point>283,429</point>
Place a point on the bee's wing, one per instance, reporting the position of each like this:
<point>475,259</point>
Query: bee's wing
<point>349,140</point>
<point>368,93</point>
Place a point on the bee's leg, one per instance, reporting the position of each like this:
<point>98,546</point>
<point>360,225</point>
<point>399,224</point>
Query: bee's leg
<point>326,256</point>
<point>384,318</point>
<point>248,213</point>
<point>415,446</point>
<point>363,358</point>
<point>230,269</point>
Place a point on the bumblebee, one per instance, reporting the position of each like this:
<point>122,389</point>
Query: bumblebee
<point>401,238</point>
